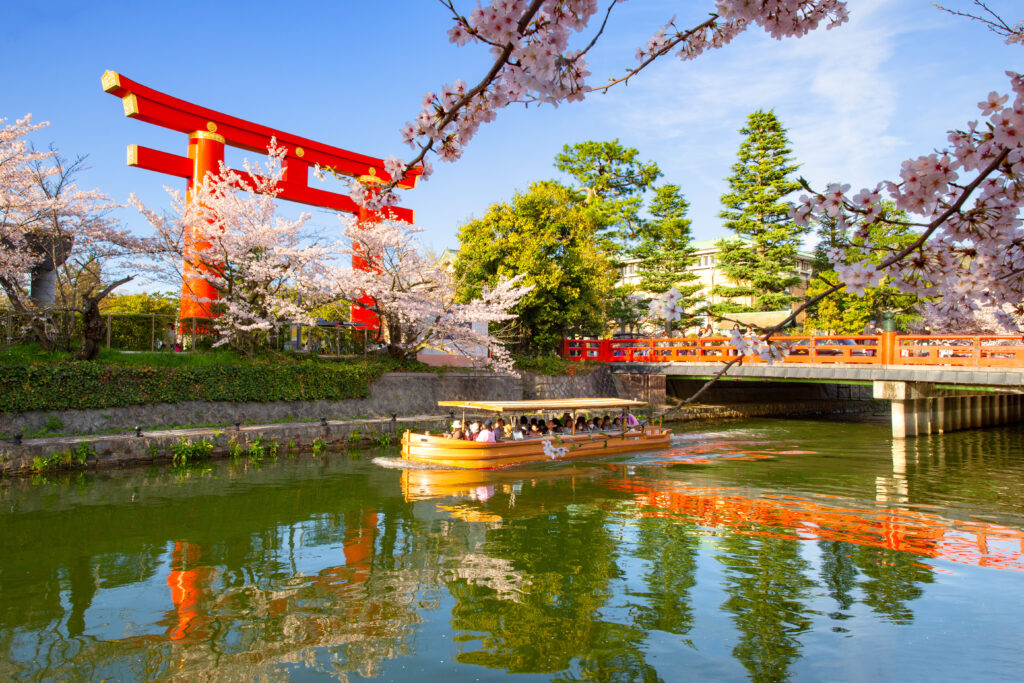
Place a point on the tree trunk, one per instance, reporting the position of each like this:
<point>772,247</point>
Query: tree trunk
<point>93,329</point>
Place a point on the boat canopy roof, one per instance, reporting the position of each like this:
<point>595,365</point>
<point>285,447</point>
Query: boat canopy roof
<point>545,404</point>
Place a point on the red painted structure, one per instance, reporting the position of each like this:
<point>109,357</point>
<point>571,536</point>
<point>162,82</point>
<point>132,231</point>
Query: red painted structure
<point>208,133</point>
<point>887,348</point>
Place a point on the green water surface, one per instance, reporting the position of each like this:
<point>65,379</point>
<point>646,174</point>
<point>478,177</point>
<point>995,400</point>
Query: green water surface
<point>764,550</point>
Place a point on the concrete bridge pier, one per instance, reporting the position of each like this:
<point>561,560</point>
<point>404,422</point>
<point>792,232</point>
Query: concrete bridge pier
<point>919,408</point>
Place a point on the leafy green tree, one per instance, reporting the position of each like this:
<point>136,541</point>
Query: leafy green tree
<point>760,259</point>
<point>548,234</point>
<point>142,321</point>
<point>666,251</point>
<point>626,308</point>
<point>614,181</point>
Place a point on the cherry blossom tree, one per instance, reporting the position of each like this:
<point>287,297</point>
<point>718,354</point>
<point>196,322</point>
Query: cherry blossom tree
<point>58,247</point>
<point>267,271</point>
<point>415,296</point>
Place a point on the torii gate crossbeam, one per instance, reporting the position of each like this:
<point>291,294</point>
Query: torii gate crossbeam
<point>209,132</point>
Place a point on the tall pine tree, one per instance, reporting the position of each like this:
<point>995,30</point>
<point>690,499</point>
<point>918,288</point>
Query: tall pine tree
<point>760,260</point>
<point>665,249</point>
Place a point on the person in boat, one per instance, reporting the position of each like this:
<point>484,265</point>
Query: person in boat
<point>606,422</point>
<point>581,424</point>
<point>485,435</point>
<point>616,424</point>
<point>524,425</point>
<point>554,426</point>
<point>474,430</point>
<point>458,435</point>
<point>456,427</point>
<point>594,424</point>
<point>566,422</point>
<point>629,419</point>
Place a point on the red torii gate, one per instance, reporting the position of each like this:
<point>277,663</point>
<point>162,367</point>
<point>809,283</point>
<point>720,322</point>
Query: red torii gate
<point>208,133</point>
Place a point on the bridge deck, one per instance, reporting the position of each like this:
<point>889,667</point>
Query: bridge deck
<point>837,373</point>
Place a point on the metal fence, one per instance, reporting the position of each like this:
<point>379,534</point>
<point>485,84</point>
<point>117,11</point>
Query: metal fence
<point>165,332</point>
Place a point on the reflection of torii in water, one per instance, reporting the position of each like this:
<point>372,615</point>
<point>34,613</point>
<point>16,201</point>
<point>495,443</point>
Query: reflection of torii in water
<point>189,582</point>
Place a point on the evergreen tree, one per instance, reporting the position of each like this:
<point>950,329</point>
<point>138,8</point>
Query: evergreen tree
<point>613,181</point>
<point>760,260</point>
<point>665,250</point>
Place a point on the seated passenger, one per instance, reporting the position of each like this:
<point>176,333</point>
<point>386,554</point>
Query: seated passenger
<point>616,424</point>
<point>581,424</point>
<point>606,423</point>
<point>485,435</point>
<point>457,434</point>
<point>535,430</point>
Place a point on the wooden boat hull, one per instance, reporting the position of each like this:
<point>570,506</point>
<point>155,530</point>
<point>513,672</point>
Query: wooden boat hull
<point>437,450</point>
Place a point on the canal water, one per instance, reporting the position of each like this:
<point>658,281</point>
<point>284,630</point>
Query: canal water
<point>763,550</point>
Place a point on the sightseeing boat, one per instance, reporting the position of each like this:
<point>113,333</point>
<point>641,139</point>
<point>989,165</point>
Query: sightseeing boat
<point>438,450</point>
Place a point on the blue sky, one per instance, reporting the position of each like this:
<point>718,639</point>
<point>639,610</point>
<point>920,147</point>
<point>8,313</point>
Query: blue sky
<point>856,100</point>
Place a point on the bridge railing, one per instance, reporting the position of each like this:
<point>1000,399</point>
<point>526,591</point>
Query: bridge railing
<point>881,349</point>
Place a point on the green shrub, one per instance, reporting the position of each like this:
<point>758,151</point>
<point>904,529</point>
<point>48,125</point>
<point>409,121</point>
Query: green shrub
<point>185,451</point>
<point>69,384</point>
<point>319,447</point>
<point>74,457</point>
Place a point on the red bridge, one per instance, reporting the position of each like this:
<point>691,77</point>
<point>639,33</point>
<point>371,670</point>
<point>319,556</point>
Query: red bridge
<point>976,351</point>
<point>935,383</point>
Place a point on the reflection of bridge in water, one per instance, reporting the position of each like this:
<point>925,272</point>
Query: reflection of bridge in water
<point>935,383</point>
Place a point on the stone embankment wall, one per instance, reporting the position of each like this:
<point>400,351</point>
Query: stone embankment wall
<point>397,401</point>
<point>726,400</point>
<point>401,393</point>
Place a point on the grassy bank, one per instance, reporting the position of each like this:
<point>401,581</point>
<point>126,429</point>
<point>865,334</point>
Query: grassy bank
<point>33,379</point>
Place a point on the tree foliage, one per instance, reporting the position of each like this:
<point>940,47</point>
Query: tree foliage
<point>665,250</point>
<point>548,234</point>
<point>760,260</point>
<point>614,181</point>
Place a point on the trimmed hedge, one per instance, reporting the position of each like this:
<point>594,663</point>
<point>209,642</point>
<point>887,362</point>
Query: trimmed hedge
<point>81,385</point>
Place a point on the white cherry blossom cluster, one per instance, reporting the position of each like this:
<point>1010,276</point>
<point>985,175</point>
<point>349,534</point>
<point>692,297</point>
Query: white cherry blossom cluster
<point>415,296</point>
<point>39,204</point>
<point>748,345</point>
<point>267,270</point>
<point>964,202</point>
<point>667,308</point>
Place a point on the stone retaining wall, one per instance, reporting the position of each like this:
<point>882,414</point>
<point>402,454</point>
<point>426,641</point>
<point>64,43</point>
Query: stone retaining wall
<point>158,446</point>
<point>787,409</point>
<point>401,393</point>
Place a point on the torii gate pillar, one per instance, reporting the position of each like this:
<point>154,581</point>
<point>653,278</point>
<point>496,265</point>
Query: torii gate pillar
<point>206,150</point>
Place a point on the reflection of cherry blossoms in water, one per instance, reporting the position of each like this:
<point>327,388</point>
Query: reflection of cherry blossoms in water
<point>790,517</point>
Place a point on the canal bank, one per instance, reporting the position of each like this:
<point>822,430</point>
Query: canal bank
<point>398,401</point>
